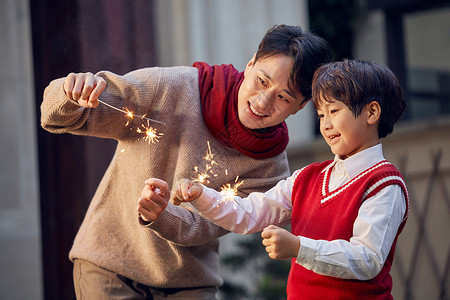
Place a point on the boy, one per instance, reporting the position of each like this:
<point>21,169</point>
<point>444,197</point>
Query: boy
<point>238,115</point>
<point>346,213</point>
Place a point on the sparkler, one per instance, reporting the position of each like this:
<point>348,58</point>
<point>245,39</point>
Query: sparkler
<point>151,134</point>
<point>129,113</point>
<point>230,192</point>
<point>227,190</point>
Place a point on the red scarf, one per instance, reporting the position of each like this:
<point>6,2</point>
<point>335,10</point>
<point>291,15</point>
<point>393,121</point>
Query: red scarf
<point>219,86</point>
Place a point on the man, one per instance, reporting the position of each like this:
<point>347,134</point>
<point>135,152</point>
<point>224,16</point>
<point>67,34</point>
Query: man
<point>238,118</point>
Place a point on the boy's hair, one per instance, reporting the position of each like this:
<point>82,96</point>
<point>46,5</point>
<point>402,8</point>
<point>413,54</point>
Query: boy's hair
<point>307,50</point>
<point>356,83</point>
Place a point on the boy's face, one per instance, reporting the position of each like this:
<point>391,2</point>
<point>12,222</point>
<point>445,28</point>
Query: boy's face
<point>345,134</point>
<point>264,98</point>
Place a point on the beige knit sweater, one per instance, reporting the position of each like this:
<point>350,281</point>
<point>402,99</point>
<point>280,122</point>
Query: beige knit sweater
<point>180,249</point>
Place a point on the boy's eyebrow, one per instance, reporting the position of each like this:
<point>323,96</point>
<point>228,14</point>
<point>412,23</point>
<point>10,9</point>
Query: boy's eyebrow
<point>285,90</point>
<point>325,103</point>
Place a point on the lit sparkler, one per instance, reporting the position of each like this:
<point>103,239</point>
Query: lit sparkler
<point>151,134</point>
<point>129,113</point>
<point>227,190</point>
<point>205,176</point>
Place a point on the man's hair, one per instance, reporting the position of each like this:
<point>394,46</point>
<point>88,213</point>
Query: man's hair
<point>307,50</point>
<point>356,83</point>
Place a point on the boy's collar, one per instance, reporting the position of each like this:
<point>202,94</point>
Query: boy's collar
<point>360,161</point>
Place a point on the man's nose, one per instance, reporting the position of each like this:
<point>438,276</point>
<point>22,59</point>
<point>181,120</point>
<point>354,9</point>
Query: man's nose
<point>266,100</point>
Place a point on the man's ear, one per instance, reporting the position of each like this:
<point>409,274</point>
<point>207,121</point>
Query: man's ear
<point>373,112</point>
<point>250,64</point>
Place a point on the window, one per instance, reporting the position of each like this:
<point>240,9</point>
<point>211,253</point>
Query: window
<point>427,58</point>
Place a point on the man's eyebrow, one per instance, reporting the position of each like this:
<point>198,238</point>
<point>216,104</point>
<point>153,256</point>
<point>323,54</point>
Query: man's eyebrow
<point>285,90</point>
<point>289,93</point>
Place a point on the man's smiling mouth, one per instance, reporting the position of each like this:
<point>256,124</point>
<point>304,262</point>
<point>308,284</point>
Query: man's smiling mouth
<point>254,111</point>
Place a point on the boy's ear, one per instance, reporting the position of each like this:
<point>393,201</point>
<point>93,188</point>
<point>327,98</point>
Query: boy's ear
<point>373,112</point>
<point>250,64</point>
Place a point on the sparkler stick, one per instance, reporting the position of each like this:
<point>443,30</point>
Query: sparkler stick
<point>234,200</point>
<point>129,113</point>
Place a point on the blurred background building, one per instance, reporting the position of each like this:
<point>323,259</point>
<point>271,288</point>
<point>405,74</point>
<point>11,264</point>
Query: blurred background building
<point>46,181</point>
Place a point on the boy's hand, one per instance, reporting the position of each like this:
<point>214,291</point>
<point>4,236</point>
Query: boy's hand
<point>84,88</point>
<point>154,198</point>
<point>187,191</point>
<point>280,243</point>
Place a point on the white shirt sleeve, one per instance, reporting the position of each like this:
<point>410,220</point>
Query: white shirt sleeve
<point>362,257</point>
<point>251,214</point>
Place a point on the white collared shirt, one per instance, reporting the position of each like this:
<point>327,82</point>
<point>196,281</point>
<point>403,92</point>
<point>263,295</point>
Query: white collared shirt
<point>374,230</point>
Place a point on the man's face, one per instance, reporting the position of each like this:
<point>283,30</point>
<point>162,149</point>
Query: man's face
<point>264,98</point>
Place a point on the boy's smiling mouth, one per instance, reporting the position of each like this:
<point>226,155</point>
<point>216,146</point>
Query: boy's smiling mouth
<point>332,138</point>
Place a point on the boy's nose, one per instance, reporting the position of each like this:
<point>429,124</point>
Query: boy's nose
<point>325,123</point>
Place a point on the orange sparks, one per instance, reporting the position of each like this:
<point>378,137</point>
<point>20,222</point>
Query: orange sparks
<point>227,190</point>
<point>129,113</point>
<point>204,177</point>
<point>209,156</point>
<point>230,192</point>
<point>151,134</point>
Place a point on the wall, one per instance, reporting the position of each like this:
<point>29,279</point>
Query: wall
<point>20,236</point>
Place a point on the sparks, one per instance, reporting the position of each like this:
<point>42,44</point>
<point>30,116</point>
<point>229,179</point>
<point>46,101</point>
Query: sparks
<point>129,113</point>
<point>229,192</point>
<point>209,158</point>
<point>151,134</point>
<point>209,155</point>
<point>201,177</point>
<point>205,177</point>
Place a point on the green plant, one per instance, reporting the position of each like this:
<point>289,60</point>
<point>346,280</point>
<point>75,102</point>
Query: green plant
<point>267,276</point>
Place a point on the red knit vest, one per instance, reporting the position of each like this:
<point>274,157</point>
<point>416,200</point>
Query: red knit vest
<point>334,219</point>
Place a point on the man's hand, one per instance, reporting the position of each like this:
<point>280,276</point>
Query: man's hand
<point>84,88</point>
<point>280,243</point>
<point>154,198</point>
